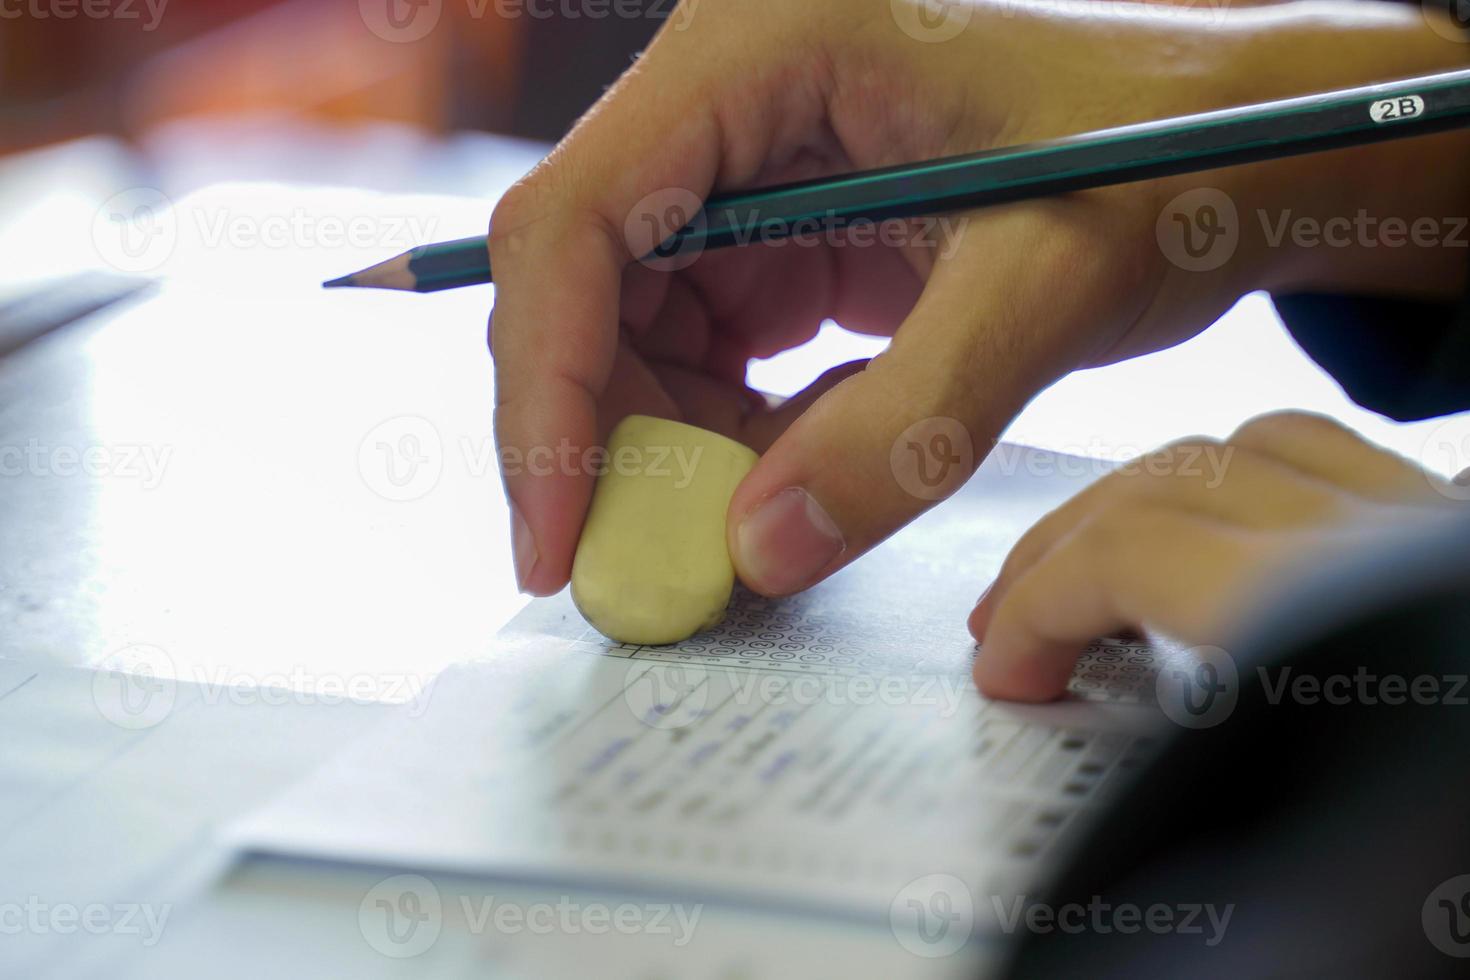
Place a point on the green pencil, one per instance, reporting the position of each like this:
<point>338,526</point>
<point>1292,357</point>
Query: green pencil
<point>1265,131</point>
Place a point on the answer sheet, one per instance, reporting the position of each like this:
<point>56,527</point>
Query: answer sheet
<point>823,754</point>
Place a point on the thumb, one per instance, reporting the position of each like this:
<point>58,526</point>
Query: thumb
<point>889,442</point>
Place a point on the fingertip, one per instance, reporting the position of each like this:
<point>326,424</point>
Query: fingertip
<point>522,548</point>
<point>542,563</point>
<point>979,618</point>
<point>548,501</point>
<point>1012,667</point>
<point>1002,683</point>
<point>540,585</point>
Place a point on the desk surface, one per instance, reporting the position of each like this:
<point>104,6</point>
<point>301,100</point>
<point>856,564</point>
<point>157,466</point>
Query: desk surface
<point>212,470</point>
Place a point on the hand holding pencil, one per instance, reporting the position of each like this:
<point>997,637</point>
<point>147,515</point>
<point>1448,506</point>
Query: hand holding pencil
<point>982,317</point>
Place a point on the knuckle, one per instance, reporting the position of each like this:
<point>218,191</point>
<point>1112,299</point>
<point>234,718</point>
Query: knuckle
<point>549,200</point>
<point>1175,472</point>
<point>1276,428</point>
<point>1193,443</point>
<point>516,209</point>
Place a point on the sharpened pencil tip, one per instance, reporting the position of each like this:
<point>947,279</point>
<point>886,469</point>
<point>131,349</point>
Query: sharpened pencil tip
<point>340,282</point>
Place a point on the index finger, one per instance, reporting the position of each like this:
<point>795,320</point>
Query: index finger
<point>557,247</point>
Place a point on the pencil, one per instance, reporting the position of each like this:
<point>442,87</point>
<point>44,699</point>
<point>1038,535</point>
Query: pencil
<point>1185,144</point>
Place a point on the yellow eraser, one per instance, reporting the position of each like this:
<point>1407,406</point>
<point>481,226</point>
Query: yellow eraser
<point>652,566</point>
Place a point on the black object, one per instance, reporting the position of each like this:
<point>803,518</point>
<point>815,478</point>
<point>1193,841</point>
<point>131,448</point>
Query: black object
<point>1336,830</point>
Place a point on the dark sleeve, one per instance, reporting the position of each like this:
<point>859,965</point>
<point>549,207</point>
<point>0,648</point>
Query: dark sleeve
<point>1404,359</point>
<point>1400,358</point>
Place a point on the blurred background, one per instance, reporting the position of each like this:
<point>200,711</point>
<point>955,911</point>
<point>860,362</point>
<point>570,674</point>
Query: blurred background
<point>391,95</point>
<point>125,68</point>
<point>212,162</point>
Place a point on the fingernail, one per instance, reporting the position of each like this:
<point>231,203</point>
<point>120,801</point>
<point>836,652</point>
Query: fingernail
<point>979,617</point>
<point>523,547</point>
<point>786,541</point>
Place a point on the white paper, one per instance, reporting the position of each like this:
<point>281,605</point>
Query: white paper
<point>113,789</point>
<point>815,754</point>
